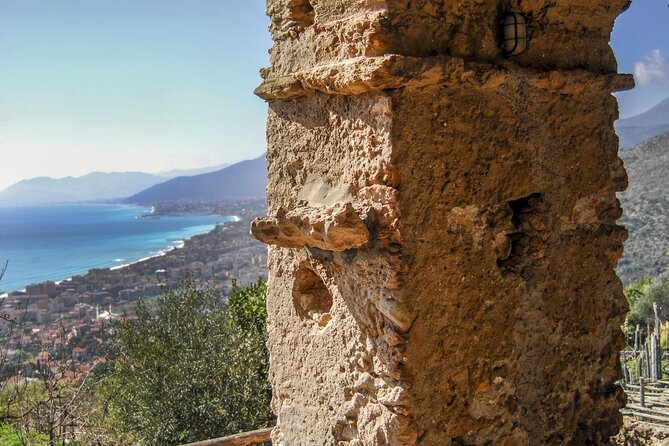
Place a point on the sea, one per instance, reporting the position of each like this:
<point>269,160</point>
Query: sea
<point>57,242</point>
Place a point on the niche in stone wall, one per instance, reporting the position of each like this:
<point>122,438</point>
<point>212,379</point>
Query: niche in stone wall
<point>312,299</point>
<point>526,238</point>
<point>301,13</point>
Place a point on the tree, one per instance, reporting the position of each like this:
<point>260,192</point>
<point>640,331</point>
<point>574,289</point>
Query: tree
<point>641,297</point>
<point>51,398</point>
<point>190,368</point>
<point>637,290</point>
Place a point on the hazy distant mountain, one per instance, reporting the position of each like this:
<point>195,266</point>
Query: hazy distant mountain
<point>638,128</point>
<point>242,180</point>
<point>646,209</point>
<point>190,172</point>
<point>96,186</point>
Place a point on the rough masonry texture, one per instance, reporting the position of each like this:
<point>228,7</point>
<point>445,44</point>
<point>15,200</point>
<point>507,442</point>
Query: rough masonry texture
<point>442,223</point>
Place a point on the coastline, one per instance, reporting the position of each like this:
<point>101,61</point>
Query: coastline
<point>235,215</point>
<point>202,255</point>
<point>112,268</point>
<point>119,268</point>
<point>54,272</point>
<point>178,244</point>
<point>162,252</point>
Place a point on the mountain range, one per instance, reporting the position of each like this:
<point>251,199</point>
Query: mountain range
<point>189,172</point>
<point>246,179</point>
<point>96,186</point>
<point>636,129</point>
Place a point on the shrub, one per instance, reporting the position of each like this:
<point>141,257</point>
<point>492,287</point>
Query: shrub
<point>190,368</point>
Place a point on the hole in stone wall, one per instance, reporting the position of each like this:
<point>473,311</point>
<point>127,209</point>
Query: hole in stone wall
<point>311,297</point>
<point>524,239</point>
<point>522,207</point>
<point>302,12</point>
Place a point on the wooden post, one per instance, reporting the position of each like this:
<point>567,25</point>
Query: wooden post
<point>644,362</point>
<point>244,439</point>
<point>642,388</point>
<point>653,357</point>
<point>656,354</point>
<point>658,346</point>
<point>637,339</point>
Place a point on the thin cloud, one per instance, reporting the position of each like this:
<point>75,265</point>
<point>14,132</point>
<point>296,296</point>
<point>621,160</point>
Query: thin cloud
<point>653,70</point>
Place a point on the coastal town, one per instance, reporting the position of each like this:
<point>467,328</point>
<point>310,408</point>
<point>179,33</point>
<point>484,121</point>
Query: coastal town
<point>77,310</point>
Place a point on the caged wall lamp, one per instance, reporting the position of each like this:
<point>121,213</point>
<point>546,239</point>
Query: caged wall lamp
<point>514,34</point>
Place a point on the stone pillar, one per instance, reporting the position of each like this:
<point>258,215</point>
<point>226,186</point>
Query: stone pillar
<point>442,221</point>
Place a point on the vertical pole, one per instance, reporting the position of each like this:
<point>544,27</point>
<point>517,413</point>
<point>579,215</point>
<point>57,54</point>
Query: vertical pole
<point>658,346</point>
<point>657,320</point>
<point>653,357</point>
<point>623,365</point>
<point>642,388</point>
<point>644,363</point>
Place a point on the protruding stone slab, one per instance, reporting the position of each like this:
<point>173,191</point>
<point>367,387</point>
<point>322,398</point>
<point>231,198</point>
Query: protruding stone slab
<point>334,228</point>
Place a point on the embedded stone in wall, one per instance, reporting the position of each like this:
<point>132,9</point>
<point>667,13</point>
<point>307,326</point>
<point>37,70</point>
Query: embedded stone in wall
<point>335,228</point>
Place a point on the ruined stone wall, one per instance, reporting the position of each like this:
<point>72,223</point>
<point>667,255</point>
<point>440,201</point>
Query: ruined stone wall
<point>442,223</point>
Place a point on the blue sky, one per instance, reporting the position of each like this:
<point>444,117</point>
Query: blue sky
<point>640,41</point>
<point>150,85</point>
<point>121,85</point>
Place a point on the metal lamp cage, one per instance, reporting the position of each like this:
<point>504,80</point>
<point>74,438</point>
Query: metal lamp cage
<point>514,34</point>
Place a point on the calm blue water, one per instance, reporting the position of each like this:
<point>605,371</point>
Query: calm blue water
<point>57,242</point>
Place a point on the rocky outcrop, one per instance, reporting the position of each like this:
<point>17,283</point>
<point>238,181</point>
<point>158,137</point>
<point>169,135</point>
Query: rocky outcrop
<point>443,232</point>
<point>638,433</point>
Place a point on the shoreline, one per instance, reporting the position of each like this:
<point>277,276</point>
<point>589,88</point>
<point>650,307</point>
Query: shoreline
<point>178,244</point>
<point>118,268</point>
<point>160,253</point>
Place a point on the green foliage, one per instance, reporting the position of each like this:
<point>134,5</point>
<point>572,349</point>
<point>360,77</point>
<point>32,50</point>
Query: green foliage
<point>641,296</point>
<point>664,336</point>
<point>190,368</point>
<point>11,437</point>
<point>246,307</point>
<point>13,396</point>
<point>638,289</point>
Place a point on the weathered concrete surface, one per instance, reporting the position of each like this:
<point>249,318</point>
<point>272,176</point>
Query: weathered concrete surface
<point>479,303</point>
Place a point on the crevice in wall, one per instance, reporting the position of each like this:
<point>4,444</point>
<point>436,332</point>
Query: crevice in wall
<point>301,12</point>
<point>312,299</point>
<point>524,240</point>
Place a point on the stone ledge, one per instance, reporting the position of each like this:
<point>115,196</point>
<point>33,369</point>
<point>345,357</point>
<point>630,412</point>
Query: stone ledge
<point>366,74</point>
